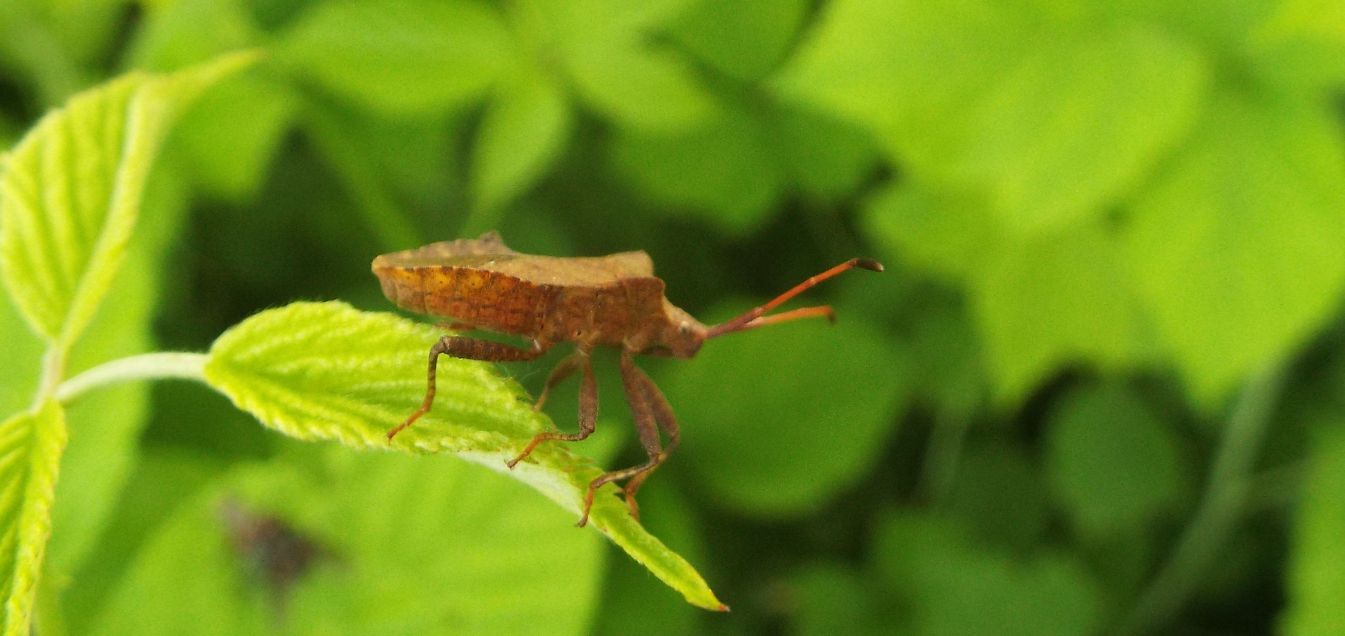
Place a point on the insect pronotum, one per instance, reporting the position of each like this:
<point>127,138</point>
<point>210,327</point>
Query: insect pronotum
<point>612,300</point>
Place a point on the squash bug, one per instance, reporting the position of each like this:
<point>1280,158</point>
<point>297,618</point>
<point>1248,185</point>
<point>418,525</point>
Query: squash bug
<point>613,301</point>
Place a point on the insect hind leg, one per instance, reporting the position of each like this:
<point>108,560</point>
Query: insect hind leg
<point>651,412</point>
<point>663,415</point>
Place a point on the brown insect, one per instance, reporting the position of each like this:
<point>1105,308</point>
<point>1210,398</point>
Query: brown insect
<point>612,300</point>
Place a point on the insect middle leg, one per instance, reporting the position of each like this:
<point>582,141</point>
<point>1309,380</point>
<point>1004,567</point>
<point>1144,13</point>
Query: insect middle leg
<point>588,403</point>
<point>650,411</point>
<point>471,349</point>
<point>563,370</point>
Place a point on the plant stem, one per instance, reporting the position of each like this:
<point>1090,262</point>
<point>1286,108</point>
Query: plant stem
<point>1219,510</point>
<point>187,366</point>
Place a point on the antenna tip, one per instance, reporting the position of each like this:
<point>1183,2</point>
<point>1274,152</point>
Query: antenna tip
<point>868,263</point>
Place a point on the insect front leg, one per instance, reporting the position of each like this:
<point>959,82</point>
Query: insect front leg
<point>649,412</point>
<point>472,349</point>
<point>588,404</point>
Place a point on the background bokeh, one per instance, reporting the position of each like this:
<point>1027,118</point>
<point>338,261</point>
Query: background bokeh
<point>1100,388</point>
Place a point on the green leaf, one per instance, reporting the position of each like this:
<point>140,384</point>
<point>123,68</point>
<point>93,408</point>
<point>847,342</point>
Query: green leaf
<point>999,494</point>
<point>379,524</point>
<point>834,599</point>
<point>744,40</point>
<point>252,141</point>
<point>326,371</point>
<point>178,34</point>
<point>1074,125</point>
<point>605,47</point>
<point>785,446</point>
<point>723,172</point>
<point>1054,299</point>
<point>1302,44</point>
<point>945,348</point>
<point>643,90</point>
<point>909,70</point>
<point>522,132</point>
<point>30,454</point>
<point>826,157</point>
<point>1316,581</point>
<point>368,153</point>
<point>1235,250</point>
<point>1112,462</point>
<point>159,484</point>
<point>951,585</point>
<point>214,587</point>
<point>71,191</point>
<point>410,57</point>
<point>949,234</point>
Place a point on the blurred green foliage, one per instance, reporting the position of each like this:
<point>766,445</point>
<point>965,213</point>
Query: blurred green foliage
<point>1099,387</point>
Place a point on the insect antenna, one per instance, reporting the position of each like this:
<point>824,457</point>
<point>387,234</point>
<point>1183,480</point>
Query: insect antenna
<point>756,317</point>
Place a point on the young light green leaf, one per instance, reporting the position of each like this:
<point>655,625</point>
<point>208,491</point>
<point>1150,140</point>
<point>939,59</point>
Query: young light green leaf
<point>1235,250</point>
<point>71,191</point>
<point>30,452</point>
<point>629,595</point>
<point>105,425</point>
<point>327,371</point>
<point>399,58</point>
<point>523,130</point>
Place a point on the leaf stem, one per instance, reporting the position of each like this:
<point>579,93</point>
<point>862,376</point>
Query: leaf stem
<point>159,365</point>
<point>1220,509</point>
<point>53,369</point>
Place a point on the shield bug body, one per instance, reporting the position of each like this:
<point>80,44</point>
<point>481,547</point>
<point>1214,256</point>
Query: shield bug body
<point>612,300</point>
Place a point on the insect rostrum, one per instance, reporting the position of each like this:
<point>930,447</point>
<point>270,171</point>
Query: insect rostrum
<point>612,300</point>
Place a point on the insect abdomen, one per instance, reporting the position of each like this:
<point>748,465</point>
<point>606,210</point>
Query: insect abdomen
<point>480,298</point>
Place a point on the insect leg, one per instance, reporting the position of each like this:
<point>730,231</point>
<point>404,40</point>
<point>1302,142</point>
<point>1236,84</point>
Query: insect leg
<point>643,412</point>
<point>663,414</point>
<point>562,371</point>
<point>588,405</point>
<point>471,349</point>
